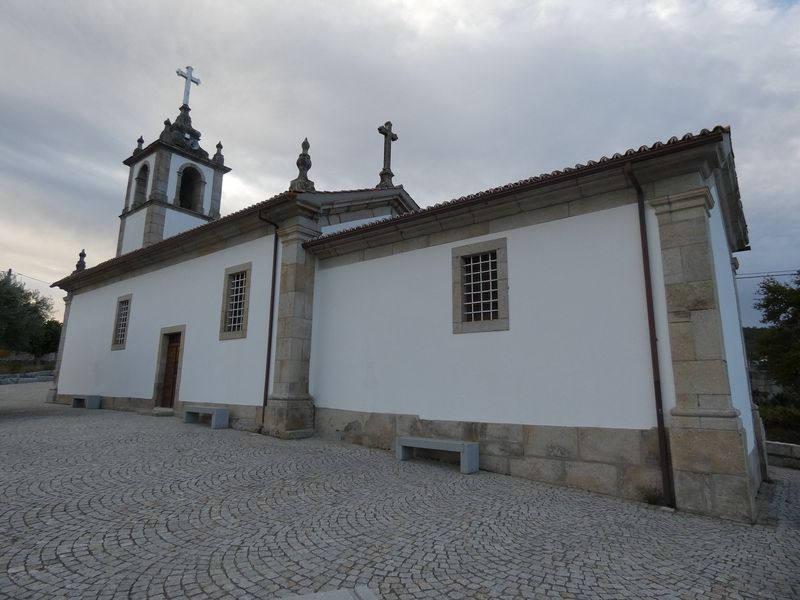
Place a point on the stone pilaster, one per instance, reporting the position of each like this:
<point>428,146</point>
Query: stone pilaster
<point>154,220</point>
<point>708,443</point>
<point>121,235</point>
<point>290,408</point>
<point>216,195</point>
<point>129,192</point>
<point>52,393</point>
<point>161,176</point>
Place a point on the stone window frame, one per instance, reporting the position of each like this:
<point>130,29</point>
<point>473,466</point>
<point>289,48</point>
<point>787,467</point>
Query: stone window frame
<point>501,323</point>
<point>240,333</point>
<point>115,343</point>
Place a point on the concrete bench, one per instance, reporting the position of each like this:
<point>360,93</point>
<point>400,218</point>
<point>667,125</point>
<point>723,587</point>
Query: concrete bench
<point>404,449</point>
<point>92,402</point>
<point>219,416</point>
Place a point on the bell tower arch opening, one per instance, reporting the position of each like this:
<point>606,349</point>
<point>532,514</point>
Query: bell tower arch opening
<point>191,188</point>
<point>140,188</point>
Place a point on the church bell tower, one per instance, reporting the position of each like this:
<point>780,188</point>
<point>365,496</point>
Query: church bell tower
<point>173,185</point>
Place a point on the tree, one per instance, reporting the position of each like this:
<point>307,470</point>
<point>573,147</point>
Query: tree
<point>23,315</point>
<point>779,345</point>
<point>45,339</point>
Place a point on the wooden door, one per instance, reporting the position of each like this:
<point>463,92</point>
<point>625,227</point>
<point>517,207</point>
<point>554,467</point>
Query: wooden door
<point>170,370</point>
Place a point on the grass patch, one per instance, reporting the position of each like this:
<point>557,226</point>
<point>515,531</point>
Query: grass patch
<point>12,367</point>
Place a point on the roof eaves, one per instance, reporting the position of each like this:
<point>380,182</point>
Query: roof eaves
<point>674,144</point>
<point>152,253</point>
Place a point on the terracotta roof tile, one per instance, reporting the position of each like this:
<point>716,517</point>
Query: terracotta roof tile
<point>603,160</point>
<point>175,240</point>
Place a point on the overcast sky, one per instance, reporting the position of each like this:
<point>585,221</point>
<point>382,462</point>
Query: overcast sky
<point>480,94</point>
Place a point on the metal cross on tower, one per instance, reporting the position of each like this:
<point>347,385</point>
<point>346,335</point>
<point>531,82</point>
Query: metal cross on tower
<point>389,137</point>
<point>187,75</point>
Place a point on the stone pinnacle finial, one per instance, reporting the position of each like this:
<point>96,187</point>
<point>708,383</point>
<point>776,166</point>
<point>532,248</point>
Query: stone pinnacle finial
<point>218,156</point>
<point>303,183</point>
<point>388,137</point>
<point>81,264</point>
<point>139,144</point>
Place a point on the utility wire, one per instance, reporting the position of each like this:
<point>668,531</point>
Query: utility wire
<point>34,278</point>
<point>765,274</point>
<point>29,277</point>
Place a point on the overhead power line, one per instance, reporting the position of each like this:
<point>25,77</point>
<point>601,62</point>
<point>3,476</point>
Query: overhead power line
<point>765,274</point>
<point>34,278</point>
<point>17,273</point>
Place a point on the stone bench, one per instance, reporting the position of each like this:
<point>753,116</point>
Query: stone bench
<point>219,416</point>
<point>404,449</point>
<point>92,402</point>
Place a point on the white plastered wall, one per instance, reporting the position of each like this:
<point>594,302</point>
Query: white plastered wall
<point>733,343</point>
<point>133,233</point>
<point>177,222</point>
<point>188,293</point>
<point>663,344</point>
<point>577,352</point>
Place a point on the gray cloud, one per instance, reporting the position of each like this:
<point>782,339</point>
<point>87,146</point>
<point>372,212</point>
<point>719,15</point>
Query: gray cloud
<point>480,94</point>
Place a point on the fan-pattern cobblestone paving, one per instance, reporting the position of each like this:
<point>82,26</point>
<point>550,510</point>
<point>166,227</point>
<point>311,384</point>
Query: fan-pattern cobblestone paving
<point>102,504</point>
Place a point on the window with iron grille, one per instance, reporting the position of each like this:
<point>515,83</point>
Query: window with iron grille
<point>121,320</point>
<point>479,277</point>
<point>480,287</point>
<point>235,299</point>
<point>237,286</point>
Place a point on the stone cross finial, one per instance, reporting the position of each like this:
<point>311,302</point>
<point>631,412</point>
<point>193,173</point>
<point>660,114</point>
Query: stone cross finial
<point>81,264</point>
<point>187,75</point>
<point>389,137</point>
<point>303,183</point>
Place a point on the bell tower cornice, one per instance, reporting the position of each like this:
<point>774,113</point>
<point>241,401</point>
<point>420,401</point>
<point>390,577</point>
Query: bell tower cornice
<point>213,163</point>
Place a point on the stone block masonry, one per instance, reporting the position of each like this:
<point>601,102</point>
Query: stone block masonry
<point>245,418</point>
<point>617,462</point>
<point>713,471</point>
<point>290,408</point>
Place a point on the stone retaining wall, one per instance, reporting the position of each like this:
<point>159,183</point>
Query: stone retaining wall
<point>35,377</point>
<point>618,462</point>
<point>783,455</point>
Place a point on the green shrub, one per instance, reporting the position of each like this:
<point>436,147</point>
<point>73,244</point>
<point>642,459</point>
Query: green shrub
<point>782,423</point>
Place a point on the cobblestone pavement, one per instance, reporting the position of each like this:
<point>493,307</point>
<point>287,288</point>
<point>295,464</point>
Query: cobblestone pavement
<point>102,504</point>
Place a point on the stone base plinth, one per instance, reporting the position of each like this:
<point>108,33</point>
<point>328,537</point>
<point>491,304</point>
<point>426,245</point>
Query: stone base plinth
<point>52,396</point>
<point>618,462</point>
<point>711,468</point>
<point>242,417</point>
<point>289,418</point>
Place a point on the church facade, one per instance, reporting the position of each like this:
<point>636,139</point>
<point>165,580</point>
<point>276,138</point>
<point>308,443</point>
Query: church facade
<point>582,325</point>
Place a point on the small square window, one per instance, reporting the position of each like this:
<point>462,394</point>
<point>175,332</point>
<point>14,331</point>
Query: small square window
<point>480,287</point>
<point>235,301</point>
<point>121,321</point>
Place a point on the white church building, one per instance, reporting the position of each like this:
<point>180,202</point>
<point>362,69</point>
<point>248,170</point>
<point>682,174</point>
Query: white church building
<point>582,326</point>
